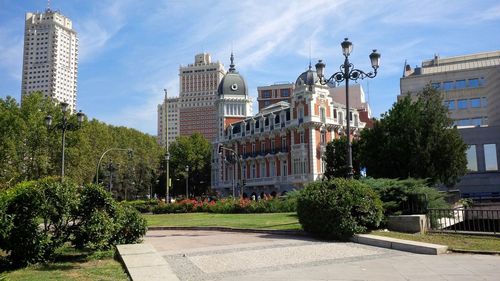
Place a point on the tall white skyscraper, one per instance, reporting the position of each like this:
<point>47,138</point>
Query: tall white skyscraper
<point>50,59</point>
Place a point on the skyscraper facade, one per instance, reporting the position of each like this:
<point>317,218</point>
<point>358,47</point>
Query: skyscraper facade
<point>198,83</point>
<point>50,57</point>
<point>168,109</point>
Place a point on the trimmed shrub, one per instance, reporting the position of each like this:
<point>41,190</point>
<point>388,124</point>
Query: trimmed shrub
<point>143,206</point>
<point>38,217</point>
<point>35,220</point>
<point>131,226</point>
<point>339,208</point>
<point>104,223</point>
<point>408,196</point>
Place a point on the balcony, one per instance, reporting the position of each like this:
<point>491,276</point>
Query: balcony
<point>299,178</point>
<point>299,146</point>
<point>262,181</point>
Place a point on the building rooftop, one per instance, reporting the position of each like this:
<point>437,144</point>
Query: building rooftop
<point>438,65</point>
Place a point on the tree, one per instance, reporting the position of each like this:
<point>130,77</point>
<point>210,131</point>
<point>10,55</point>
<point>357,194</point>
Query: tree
<point>194,151</point>
<point>415,139</point>
<point>28,150</point>
<point>335,158</point>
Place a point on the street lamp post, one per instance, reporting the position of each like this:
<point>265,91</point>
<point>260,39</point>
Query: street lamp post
<point>111,169</point>
<point>187,182</point>
<point>236,159</point>
<point>129,151</point>
<point>167,195</point>
<point>167,155</point>
<point>64,126</point>
<point>348,72</point>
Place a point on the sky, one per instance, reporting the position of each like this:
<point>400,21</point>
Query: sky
<point>131,50</point>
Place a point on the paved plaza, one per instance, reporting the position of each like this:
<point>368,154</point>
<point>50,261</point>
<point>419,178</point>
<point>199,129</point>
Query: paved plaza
<point>214,255</point>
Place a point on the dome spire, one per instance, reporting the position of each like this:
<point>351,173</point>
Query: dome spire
<point>231,66</point>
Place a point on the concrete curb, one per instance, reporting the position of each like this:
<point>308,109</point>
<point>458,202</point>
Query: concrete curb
<point>142,262</point>
<point>483,252</point>
<point>232,229</point>
<point>399,244</point>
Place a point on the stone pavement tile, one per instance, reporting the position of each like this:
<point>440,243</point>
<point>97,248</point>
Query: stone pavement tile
<point>153,273</point>
<point>143,260</point>
<point>465,277</point>
<point>244,260</point>
<point>133,249</point>
<point>340,271</point>
<point>171,240</point>
<point>204,248</point>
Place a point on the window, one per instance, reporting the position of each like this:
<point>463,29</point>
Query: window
<point>323,137</point>
<point>475,103</point>
<point>272,168</point>
<point>436,85</point>
<point>473,83</point>
<point>244,171</point>
<point>460,84</point>
<point>301,112</point>
<point>490,157</point>
<point>476,121</point>
<point>450,104</point>
<point>252,175</point>
<point>301,137</point>
<point>285,92</point>
<point>462,122</point>
<point>471,158</point>
<point>448,85</point>
<point>322,114</point>
<point>272,146</point>
<point>266,93</point>
<point>253,147</point>
<point>262,147</point>
<point>284,169</point>
<point>283,143</point>
<point>335,113</point>
<point>462,104</point>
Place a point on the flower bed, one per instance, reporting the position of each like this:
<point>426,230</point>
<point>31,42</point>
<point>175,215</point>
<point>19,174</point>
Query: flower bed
<point>228,206</point>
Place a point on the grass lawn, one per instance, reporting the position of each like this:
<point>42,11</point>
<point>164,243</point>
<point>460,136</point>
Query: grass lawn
<point>284,221</point>
<point>454,241</point>
<point>73,265</point>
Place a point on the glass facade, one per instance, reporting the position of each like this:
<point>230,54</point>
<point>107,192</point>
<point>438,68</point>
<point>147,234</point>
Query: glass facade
<point>448,85</point>
<point>471,158</point>
<point>473,83</point>
<point>475,103</point>
<point>460,84</point>
<point>490,157</point>
<point>462,104</point>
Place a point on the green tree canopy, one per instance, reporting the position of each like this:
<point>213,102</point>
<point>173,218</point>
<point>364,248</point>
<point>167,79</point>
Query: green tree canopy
<point>28,150</point>
<point>194,151</point>
<point>335,158</point>
<point>415,139</point>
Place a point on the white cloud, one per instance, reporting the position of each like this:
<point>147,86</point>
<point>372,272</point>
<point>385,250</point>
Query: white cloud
<point>96,30</point>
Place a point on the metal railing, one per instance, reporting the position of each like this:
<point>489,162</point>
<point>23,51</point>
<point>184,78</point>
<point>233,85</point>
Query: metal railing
<point>464,220</point>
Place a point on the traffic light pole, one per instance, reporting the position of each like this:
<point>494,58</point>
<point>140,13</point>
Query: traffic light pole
<point>236,159</point>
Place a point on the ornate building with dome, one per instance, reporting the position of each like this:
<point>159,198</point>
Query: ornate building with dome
<point>281,147</point>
